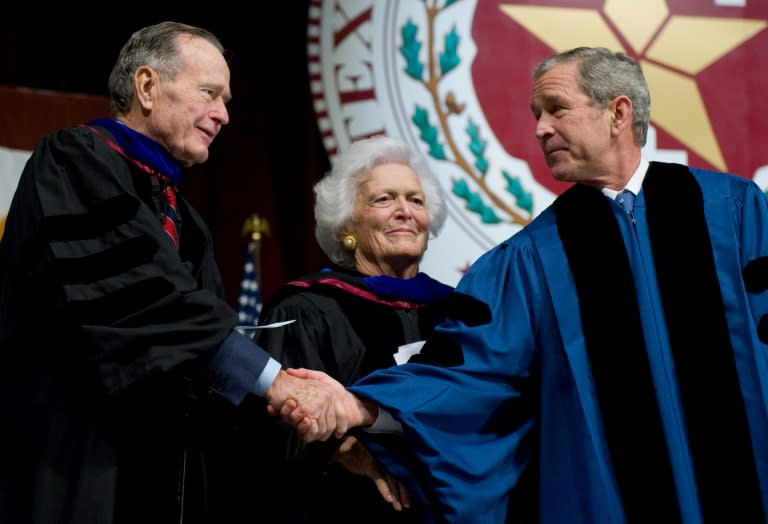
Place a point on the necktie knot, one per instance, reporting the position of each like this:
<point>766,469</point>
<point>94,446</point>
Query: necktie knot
<point>626,200</point>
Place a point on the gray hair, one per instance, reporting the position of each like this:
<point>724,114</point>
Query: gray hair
<point>335,193</point>
<point>604,75</point>
<point>155,46</point>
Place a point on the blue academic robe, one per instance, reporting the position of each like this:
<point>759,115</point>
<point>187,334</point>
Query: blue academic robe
<point>624,375</point>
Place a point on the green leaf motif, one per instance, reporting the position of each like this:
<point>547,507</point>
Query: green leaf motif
<point>472,130</point>
<point>449,2</point>
<point>477,147</point>
<point>460,188</point>
<point>523,198</point>
<point>410,51</point>
<point>428,133</point>
<point>436,151</point>
<point>449,59</point>
<point>474,202</point>
<point>489,217</point>
<point>420,117</point>
<point>482,165</point>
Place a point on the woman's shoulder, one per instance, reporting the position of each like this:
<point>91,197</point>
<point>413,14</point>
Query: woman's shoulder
<point>322,282</point>
<point>319,289</point>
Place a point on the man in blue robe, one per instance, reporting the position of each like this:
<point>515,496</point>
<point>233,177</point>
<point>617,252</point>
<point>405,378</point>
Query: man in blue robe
<point>624,374</point>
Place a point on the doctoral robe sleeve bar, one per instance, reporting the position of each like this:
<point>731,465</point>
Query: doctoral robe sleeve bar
<point>133,303</point>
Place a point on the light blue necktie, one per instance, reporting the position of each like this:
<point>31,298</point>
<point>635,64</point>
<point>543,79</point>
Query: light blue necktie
<point>626,200</point>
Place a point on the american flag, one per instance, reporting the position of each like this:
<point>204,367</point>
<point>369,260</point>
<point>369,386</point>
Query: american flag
<point>249,303</point>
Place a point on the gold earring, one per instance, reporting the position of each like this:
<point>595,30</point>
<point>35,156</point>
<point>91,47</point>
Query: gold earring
<point>349,242</point>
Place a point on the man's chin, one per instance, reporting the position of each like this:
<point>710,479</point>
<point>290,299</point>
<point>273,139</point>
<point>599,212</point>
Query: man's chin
<point>191,160</point>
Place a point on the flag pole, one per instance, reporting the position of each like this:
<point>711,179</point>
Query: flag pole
<point>249,301</point>
<point>256,227</point>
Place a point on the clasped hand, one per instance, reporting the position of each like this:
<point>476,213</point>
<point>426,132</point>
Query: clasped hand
<point>318,406</point>
<point>315,404</point>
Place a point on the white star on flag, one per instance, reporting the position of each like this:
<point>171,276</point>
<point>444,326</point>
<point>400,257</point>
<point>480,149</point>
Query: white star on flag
<point>249,303</point>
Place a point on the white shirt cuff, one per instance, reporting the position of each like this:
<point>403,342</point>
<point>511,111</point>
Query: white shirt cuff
<point>268,375</point>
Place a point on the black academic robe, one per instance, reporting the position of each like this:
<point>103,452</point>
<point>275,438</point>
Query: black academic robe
<point>344,327</point>
<point>104,332</point>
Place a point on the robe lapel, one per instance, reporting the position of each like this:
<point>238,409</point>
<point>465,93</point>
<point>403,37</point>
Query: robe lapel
<point>616,349</point>
<point>713,405</point>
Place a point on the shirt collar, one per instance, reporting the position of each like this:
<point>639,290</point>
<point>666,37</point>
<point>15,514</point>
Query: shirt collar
<point>635,182</point>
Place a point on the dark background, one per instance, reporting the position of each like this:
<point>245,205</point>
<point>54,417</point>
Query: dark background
<point>265,161</point>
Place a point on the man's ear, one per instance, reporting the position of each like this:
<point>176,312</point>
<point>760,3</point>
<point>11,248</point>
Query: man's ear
<point>621,113</point>
<point>145,81</point>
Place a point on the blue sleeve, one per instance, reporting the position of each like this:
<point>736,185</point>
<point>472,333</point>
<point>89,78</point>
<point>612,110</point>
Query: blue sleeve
<point>240,367</point>
<point>468,427</point>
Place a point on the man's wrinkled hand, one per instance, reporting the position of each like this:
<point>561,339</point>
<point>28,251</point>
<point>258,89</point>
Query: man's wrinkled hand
<point>356,412</point>
<point>312,404</point>
<point>355,458</point>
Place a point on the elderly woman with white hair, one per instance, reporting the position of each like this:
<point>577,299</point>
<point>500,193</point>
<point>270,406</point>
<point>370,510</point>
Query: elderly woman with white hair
<point>375,212</point>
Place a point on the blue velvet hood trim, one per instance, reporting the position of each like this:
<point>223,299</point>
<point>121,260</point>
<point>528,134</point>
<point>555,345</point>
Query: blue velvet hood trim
<point>142,148</point>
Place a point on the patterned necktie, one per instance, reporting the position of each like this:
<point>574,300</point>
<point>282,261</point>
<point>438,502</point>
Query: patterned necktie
<point>169,212</point>
<point>626,200</point>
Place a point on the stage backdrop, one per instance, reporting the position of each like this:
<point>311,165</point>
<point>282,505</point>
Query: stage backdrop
<point>452,77</point>
<point>27,115</point>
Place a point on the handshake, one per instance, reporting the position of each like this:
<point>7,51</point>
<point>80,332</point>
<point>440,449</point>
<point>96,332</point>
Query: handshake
<point>316,405</point>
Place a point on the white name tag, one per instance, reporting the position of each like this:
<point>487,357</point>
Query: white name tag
<point>406,351</point>
<point>251,330</point>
